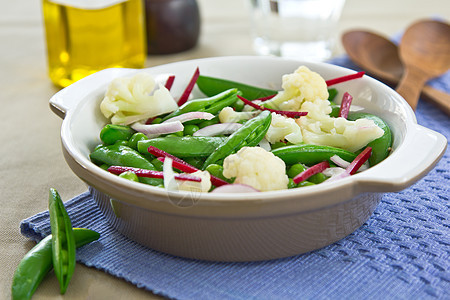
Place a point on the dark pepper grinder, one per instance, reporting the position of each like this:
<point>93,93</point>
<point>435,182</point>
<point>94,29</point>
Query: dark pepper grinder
<point>172,25</point>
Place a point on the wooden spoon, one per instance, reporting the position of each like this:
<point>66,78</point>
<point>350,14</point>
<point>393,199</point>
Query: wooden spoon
<point>379,57</point>
<point>425,53</point>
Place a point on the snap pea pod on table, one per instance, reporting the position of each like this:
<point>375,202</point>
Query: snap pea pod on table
<point>63,241</point>
<point>36,264</point>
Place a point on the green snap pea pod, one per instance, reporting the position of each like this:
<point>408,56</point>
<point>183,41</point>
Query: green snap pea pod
<point>63,241</point>
<point>111,133</point>
<point>211,105</point>
<point>119,155</point>
<point>311,154</point>
<point>212,86</point>
<point>38,262</point>
<point>381,147</point>
<point>187,146</point>
<point>250,134</point>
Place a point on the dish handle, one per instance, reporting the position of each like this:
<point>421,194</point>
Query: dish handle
<point>67,98</point>
<point>425,148</point>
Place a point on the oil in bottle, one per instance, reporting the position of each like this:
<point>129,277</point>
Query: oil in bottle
<point>86,36</point>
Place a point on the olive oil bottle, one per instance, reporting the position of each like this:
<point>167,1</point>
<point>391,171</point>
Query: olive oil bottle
<point>86,36</point>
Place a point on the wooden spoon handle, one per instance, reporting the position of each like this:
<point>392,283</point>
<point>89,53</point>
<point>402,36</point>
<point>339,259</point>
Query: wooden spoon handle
<point>439,98</point>
<point>411,85</point>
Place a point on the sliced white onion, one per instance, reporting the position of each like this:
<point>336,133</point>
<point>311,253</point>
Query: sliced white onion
<point>344,164</point>
<point>154,130</point>
<point>193,115</point>
<point>216,129</point>
<point>170,183</point>
<point>265,145</point>
<point>235,188</point>
<point>339,161</point>
<point>355,108</point>
<point>335,173</point>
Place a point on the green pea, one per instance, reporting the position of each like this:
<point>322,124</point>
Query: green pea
<point>216,170</point>
<point>291,184</point>
<point>121,143</point>
<point>238,105</point>
<point>295,169</point>
<point>135,138</point>
<point>317,178</point>
<point>190,129</point>
<point>157,121</point>
<point>305,183</point>
<point>129,175</point>
<point>157,164</point>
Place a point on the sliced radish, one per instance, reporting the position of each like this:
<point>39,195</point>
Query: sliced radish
<point>154,130</point>
<point>345,105</point>
<point>317,168</point>
<point>185,96</point>
<point>193,115</point>
<point>235,188</point>
<point>217,129</point>
<point>150,173</point>
<point>266,98</point>
<point>359,161</point>
<point>344,78</point>
<point>187,168</point>
<point>169,82</point>
<point>290,114</point>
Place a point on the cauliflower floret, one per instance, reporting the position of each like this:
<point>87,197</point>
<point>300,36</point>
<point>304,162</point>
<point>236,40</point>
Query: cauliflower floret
<point>128,100</point>
<point>256,167</point>
<point>192,186</point>
<point>319,128</point>
<point>229,115</point>
<point>302,85</point>
<point>282,128</point>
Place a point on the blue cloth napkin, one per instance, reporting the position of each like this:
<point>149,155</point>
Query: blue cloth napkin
<point>401,252</point>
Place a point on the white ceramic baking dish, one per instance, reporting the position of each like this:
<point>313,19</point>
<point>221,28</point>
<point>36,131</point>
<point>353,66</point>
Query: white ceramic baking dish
<point>251,226</point>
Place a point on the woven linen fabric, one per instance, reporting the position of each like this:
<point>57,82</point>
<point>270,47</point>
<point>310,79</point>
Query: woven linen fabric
<point>401,252</point>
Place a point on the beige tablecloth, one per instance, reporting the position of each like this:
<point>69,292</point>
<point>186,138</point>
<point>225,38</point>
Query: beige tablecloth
<point>31,160</point>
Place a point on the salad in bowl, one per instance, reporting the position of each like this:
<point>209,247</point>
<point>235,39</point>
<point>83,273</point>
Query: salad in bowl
<point>237,137</point>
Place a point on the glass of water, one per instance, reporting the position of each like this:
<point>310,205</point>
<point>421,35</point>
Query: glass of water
<point>301,29</point>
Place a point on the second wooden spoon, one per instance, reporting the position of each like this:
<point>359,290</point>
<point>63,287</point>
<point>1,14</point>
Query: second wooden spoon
<point>425,53</point>
<point>379,57</point>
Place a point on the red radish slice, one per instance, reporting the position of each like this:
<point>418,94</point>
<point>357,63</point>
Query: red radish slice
<point>153,130</point>
<point>290,114</point>
<point>345,105</point>
<point>266,98</point>
<point>185,96</point>
<point>344,78</point>
<point>160,153</point>
<point>187,168</point>
<point>359,161</point>
<point>151,173</point>
<point>193,115</point>
<point>169,82</point>
<point>317,168</point>
<point>235,188</point>
<point>217,129</point>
